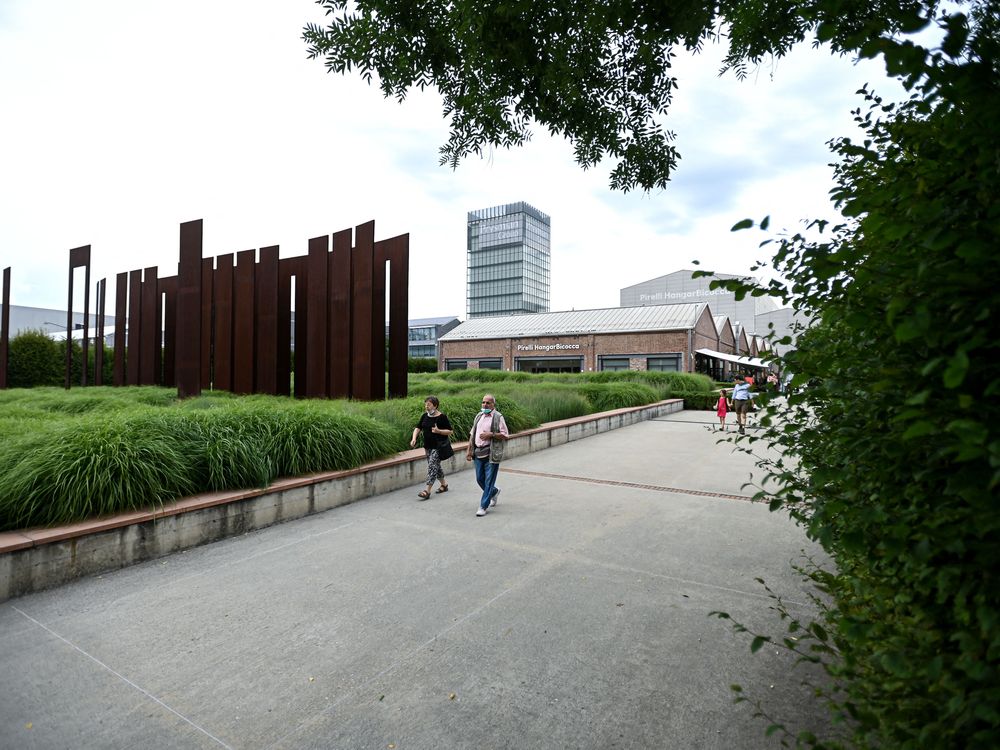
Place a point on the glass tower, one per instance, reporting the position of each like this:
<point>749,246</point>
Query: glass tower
<point>508,269</point>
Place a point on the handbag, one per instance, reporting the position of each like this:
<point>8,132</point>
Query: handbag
<point>445,449</point>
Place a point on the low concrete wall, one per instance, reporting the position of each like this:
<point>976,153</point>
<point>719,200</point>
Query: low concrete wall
<point>36,559</point>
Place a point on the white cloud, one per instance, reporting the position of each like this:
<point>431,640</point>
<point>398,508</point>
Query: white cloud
<point>124,119</point>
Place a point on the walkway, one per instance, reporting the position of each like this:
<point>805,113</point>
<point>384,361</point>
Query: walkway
<point>575,615</point>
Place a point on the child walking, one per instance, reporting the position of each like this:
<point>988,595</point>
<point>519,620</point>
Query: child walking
<point>722,409</point>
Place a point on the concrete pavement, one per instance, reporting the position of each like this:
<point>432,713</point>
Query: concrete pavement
<point>574,615</point>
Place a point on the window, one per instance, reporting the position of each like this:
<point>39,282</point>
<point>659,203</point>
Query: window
<point>614,363</point>
<point>491,364</point>
<point>671,363</point>
<point>456,364</point>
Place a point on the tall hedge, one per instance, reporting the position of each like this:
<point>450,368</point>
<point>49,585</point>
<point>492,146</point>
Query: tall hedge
<point>897,436</point>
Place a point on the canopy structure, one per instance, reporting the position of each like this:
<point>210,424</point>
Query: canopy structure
<point>744,361</point>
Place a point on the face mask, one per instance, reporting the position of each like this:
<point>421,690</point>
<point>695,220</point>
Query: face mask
<point>486,411</point>
<point>430,411</point>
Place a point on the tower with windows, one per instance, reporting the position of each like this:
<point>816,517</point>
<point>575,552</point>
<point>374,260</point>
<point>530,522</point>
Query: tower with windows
<point>508,261</point>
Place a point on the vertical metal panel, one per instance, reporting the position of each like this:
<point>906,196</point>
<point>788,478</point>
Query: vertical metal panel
<point>134,326</point>
<point>361,312</point>
<point>207,276</point>
<point>101,293</point>
<point>301,271</point>
<point>121,324</point>
<point>149,332</point>
<point>5,328</point>
<point>243,337</point>
<point>283,338</point>
<point>339,284</point>
<point>222,363</point>
<point>184,325</point>
<point>266,284</point>
<point>398,252</point>
<point>78,256</point>
<point>316,317</point>
<point>377,334</point>
<point>168,293</point>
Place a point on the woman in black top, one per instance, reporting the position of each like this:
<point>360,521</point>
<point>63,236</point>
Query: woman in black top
<point>437,444</point>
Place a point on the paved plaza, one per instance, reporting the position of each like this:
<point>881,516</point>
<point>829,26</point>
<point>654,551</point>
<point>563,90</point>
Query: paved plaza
<point>574,615</point>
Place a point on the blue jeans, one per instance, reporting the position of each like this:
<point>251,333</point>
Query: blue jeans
<point>486,478</point>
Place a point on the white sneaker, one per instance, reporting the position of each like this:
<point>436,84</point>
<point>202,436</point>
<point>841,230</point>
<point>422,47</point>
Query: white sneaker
<point>481,512</point>
<point>493,497</point>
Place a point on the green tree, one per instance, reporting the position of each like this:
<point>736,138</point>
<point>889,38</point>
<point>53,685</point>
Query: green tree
<point>595,71</point>
<point>892,454</point>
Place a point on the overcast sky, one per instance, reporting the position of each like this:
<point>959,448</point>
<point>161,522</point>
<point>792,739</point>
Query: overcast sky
<point>122,119</point>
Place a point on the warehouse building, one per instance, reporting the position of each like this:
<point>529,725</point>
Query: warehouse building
<point>676,338</point>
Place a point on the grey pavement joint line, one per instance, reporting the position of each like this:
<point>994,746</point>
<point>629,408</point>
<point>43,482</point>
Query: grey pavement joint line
<point>350,692</point>
<point>632,485</point>
<point>123,678</point>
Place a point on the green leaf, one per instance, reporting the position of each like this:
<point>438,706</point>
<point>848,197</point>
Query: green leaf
<point>956,370</point>
<point>757,642</point>
<point>745,224</point>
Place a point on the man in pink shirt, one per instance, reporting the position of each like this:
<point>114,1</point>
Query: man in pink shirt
<point>486,439</point>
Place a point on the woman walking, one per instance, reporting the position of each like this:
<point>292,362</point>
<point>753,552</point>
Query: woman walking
<point>437,444</point>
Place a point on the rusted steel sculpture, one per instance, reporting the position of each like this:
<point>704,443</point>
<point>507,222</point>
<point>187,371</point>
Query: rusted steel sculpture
<point>228,323</point>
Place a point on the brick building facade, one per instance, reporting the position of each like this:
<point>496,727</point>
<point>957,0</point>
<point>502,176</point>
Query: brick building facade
<point>661,337</point>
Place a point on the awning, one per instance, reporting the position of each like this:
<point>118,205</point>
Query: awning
<point>745,361</point>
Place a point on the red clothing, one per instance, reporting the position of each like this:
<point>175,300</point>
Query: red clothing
<point>722,408</point>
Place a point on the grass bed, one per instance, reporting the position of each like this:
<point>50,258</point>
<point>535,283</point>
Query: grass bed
<point>68,456</point>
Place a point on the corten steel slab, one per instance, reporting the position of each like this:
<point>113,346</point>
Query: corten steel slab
<point>397,250</point>
<point>301,324</point>
<point>361,312</point>
<point>243,303</point>
<point>222,356</point>
<point>149,329</point>
<point>121,305</point>
<point>316,317</point>
<point>102,287</point>
<point>4,328</point>
<point>135,327</point>
<point>377,374</point>
<point>186,323</point>
<point>78,256</point>
<point>339,328</point>
<point>283,354</point>
<point>168,290</point>
<point>207,275</point>
<point>266,287</point>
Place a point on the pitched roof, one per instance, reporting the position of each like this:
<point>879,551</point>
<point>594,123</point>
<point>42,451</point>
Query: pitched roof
<point>608,320</point>
<point>418,322</point>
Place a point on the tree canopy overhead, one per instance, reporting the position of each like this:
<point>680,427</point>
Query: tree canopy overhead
<point>597,72</point>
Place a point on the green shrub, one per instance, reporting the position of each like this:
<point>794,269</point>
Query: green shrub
<point>617,395</point>
<point>700,401</point>
<point>421,364</point>
<point>35,360</point>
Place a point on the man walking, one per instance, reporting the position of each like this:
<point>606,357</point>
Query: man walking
<point>489,431</point>
<point>741,402</point>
